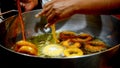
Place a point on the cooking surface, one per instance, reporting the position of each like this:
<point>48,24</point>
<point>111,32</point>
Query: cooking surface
<point>104,27</point>
<point>7,61</point>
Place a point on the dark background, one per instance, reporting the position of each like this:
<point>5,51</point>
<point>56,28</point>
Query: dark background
<point>7,5</point>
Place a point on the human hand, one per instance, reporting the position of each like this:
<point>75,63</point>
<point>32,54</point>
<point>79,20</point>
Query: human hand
<point>28,4</point>
<point>57,10</point>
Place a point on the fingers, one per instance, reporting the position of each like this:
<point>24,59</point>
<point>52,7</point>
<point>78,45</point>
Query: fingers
<point>51,16</point>
<point>50,12</point>
<point>44,11</point>
<point>51,19</point>
<point>51,22</point>
<point>48,3</point>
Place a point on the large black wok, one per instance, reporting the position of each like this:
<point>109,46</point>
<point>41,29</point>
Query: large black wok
<point>105,27</point>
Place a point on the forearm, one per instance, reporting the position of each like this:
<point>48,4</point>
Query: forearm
<point>98,6</point>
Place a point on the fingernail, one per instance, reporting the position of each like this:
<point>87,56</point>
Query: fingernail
<point>37,15</point>
<point>46,25</point>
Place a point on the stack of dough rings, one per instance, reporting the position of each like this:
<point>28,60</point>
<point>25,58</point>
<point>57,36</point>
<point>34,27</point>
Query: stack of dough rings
<point>25,47</point>
<point>76,43</point>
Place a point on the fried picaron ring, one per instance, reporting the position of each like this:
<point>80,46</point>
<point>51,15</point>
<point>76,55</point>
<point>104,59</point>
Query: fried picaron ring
<point>73,52</point>
<point>23,43</point>
<point>68,44</point>
<point>25,46</point>
<point>84,37</point>
<point>95,46</point>
<point>67,35</point>
<point>27,50</point>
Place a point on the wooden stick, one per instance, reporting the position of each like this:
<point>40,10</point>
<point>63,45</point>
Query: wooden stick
<point>21,19</point>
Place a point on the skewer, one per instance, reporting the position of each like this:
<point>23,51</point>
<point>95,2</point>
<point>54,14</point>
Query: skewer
<point>21,19</point>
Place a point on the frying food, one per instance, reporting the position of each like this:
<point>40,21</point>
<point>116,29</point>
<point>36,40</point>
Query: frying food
<point>73,52</point>
<point>70,44</point>
<point>53,50</point>
<point>25,47</point>
<point>95,46</point>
